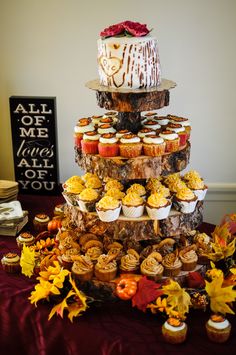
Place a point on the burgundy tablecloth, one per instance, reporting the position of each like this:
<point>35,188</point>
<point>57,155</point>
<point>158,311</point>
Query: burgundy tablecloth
<point>115,328</point>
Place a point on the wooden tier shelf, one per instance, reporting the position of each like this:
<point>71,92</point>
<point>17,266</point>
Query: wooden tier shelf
<point>135,100</point>
<point>142,167</point>
<point>136,229</point>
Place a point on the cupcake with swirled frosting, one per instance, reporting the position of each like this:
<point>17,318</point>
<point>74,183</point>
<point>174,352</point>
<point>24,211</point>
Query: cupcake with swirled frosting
<point>106,268</point>
<point>113,183</point>
<point>122,132</point>
<point>94,183</point>
<point>130,146</point>
<point>72,191</point>
<point>25,238</point>
<point>158,207</point>
<point>180,130</point>
<point>108,145</point>
<point>152,268</point>
<point>67,257</point>
<point>93,253</point>
<point>82,268</point>
<point>138,189</point>
<point>198,187</point>
<point>115,193</point>
<point>152,184</point>
<point>129,263</point>
<point>183,121</point>
<point>172,264</point>
<point>132,205</point>
<point>163,121</point>
<point>185,200</point>
<point>87,200</point>
<point>153,146</point>
<point>189,258</point>
<point>171,139</point>
<point>108,209</point>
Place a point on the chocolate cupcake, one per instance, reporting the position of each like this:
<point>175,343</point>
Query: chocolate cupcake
<point>26,239</point>
<point>11,263</point>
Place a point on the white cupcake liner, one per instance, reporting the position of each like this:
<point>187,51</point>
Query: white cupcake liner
<point>83,206</point>
<point>109,215</point>
<point>186,206</point>
<point>69,200</point>
<point>133,211</point>
<point>159,213</point>
<point>201,193</point>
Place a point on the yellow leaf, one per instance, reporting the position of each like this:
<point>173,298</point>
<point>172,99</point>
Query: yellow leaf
<point>212,265</point>
<point>27,261</point>
<point>60,307</point>
<point>178,299</point>
<point>220,296</point>
<point>221,233</point>
<point>233,271</point>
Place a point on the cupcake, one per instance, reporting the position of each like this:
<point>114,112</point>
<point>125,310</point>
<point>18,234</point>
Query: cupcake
<point>59,210</point>
<point>108,209</point>
<point>130,146</point>
<point>106,120</point>
<point>117,253</point>
<point>86,237</point>
<point>158,207</point>
<point>152,124</point>
<point>189,258</point>
<point>81,128</point>
<point>106,268</point>
<point>67,257</point>
<point>87,176</point>
<point>93,253</point>
<point>204,248</point>
<point>87,200</point>
<point>152,184</point>
<point>145,132</point>
<point>122,132</point>
<point>172,264</point>
<point>162,190</point>
<point>180,130</point>
<point>151,266</point>
<point>113,183</point>
<point>153,146</point>
<point>115,193</point>
<point>11,263</point>
<point>25,238</point>
<point>82,268</point>
<point>183,121</point>
<point>89,143</point>
<point>132,205</point>
<point>172,178</point>
<point>171,139</point>
<point>106,128</point>
<point>73,180</point>
<point>96,120</point>
<point>163,122</point>
<point>71,193</point>
<point>129,263</point>
<point>198,187</point>
<point>138,189</point>
<point>191,174</point>
<point>177,185</point>
<point>94,183</point>
<point>185,200</point>
<point>174,331</point>
<point>40,222</point>
<point>108,145</point>
<point>218,328</point>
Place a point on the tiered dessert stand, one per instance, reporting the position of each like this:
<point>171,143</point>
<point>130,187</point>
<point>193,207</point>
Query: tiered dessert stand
<point>129,105</point>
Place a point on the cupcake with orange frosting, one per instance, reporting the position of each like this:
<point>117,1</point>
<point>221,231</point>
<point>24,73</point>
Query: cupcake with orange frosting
<point>158,207</point>
<point>153,146</point>
<point>93,253</point>
<point>218,328</point>
<point>82,268</point>
<point>75,179</point>
<point>198,187</point>
<point>185,200</point>
<point>129,263</point>
<point>174,331</point>
<point>152,184</point>
<point>161,189</point>
<point>89,143</point>
<point>108,209</point>
<point>113,183</point>
<point>152,267</point>
<point>132,205</point>
<point>130,146</point>
<point>67,257</point>
<point>108,145</point>
<point>115,193</point>
<point>171,139</point>
<point>138,189</point>
<point>180,130</point>
<point>106,268</point>
<point>176,185</point>
<point>94,183</point>
<point>72,191</point>
<point>87,200</point>
<point>82,127</point>
<point>87,176</point>
<point>172,264</point>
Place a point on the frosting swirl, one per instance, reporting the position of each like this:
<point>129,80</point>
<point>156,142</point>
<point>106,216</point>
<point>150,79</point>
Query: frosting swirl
<point>130,138</point>
<point>11,257</point>
<point>108,202</point>
<point>150,266</point>
<point>93,253</point>
<point>88,194</point>
<point>94,183</point>
<point>185,194</point>
<point>108,138</point>
<point>152,139</point>
<point>137,188</point>
<point>195,184</point>
<point>106,128</point>
<point>157,200</point>
<point>112,183</point>
<point>171,261</point>
<point>82,264</point>
<point>105,263</point>
<point>115,193</point>
<point>91,136</point>
<point>130,261</point>
<point>132,199</point>
<point>169,135</point>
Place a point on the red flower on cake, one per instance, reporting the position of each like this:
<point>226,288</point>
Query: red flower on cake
<point>135,29</point>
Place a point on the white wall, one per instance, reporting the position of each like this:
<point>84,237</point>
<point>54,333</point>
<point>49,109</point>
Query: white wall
<point>48,48</point>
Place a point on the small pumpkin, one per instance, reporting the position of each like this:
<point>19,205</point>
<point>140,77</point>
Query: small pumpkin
<point>126,289</point>
<point>54,225</point>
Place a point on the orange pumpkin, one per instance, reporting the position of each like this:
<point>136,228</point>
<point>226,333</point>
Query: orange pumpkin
<point>126,289</point>
<point>54,225</point>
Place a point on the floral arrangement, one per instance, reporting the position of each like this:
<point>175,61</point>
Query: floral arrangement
<point>125,28</point>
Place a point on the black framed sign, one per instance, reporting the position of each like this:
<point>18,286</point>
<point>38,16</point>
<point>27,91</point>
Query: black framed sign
<point>34,140</point>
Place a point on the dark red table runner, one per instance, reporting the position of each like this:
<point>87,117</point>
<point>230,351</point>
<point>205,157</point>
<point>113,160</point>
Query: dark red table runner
<point>115,328</point>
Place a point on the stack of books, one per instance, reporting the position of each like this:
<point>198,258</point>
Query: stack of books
<point>12,218</point>
<point>8,190</point>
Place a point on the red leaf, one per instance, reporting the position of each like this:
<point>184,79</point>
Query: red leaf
<point>148,291</point>
<point>195,280</point>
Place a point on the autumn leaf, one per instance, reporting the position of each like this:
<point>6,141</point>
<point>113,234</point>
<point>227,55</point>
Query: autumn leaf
<point>195,280</point>
<point>27,261</point>
<point>60,307</point>
<point>220,296</point>
<point>177,298</point>
<point>147,292</point>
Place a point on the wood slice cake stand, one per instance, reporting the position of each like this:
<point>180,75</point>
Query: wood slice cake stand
<point>130,103</point>
<point>136,229</point>
<point>142,167</point>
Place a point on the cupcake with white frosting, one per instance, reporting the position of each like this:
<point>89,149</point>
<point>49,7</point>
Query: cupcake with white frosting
<point>108,145</point>
<point>174,331</point>
<point>146,132</point>
<point>183,121</point>
<point>108,209</point>
<point>81,128</point>
<point>218,328</point>
<point>153,146</point>
<point>96,120</point>
<point>11,263</point>
<point>122,132</point>
<point>25,238</point>
<point>171,139</point>
<point>132,205</point>
<point>180,130</point>
<point>152,124</point>
<point>40,222</point>
<point>89,143</point>
<point>163,121</point>
<point>106,120</point>
<point>130,146</point>
<point>106,128</point>
<point>158,207</point>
